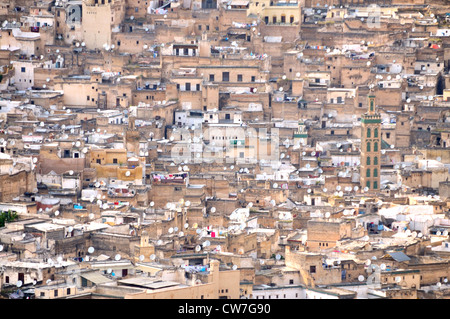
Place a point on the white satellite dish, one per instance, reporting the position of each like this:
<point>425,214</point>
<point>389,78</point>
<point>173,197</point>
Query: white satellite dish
<point>91,250</point>
<point>186,225</point>
<point>117,257</point>
<point>141,257</point>
<point>180,234</point>
<point>198,248</point>
<point>57,213</point>
<point>152,256</point>
<point>235,267</point>
<point>213,209</point>
<point>170,230</point>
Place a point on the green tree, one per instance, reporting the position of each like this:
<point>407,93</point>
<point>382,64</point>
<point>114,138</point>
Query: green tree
<point>6,217</point>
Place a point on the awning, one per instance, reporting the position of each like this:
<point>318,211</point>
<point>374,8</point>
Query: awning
<point>239,3</point>
<point>96,278</point>
<point>398,256</point>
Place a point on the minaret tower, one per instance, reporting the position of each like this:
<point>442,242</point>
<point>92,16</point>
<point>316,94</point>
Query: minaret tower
<point>301,135</point>
<point>370,147</point>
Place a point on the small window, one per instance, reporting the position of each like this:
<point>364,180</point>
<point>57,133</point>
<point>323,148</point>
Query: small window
<point>225,76</point>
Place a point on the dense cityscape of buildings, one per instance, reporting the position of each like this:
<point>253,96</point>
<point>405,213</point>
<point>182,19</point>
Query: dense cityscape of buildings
<point>224,149</point>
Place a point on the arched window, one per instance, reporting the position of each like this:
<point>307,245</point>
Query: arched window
<point>368,160</point>
<point>291,19</point>
<point>375,132</point>
<point>375,147</point>
<point>375,172</point>
<point>283,18</point>
<point>368,184</point>
<point>368,132</point>
<point>274,19</point>
<point>368,172</point>
<point>375,160</point>
<point>368,147</point>
<point>375,185</point>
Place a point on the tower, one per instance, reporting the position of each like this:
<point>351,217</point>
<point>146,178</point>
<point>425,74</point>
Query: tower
<point>370,147</point>
<point>145,248</point>
<point>301,135</point>
<point>132,136</point>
